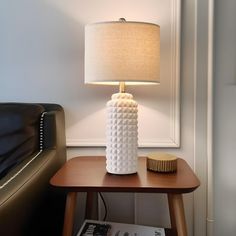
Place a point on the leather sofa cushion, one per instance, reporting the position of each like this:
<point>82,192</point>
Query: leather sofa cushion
<point>19,133</point>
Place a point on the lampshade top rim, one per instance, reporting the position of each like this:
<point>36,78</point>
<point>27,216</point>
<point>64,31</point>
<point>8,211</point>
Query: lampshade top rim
<point>122,22</point>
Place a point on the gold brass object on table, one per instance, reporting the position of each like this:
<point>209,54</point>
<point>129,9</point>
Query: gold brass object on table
<point>161,162</point>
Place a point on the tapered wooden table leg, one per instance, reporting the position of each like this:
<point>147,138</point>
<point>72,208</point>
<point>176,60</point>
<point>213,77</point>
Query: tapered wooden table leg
<point>177,216</point>
<point>69,214</point>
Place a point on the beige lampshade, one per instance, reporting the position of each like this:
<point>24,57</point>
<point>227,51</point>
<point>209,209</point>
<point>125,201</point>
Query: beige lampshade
<point>122,51</point>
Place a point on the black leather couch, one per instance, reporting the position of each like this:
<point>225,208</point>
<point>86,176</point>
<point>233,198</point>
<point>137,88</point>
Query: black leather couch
<point>32,149</point>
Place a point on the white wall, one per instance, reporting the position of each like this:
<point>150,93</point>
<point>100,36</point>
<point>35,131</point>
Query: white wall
<point>39,58</point>
<point>44,40</point>
<point>224,119</point>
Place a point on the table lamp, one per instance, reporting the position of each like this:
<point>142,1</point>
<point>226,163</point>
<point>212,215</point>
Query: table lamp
<point>122,53</point>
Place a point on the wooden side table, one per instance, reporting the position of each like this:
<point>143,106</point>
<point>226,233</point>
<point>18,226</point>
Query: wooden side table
<point>88,174</point>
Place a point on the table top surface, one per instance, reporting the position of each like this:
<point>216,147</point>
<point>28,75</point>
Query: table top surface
<point>88,174</point>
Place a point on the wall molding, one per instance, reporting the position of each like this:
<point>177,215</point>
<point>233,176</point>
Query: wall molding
<point>170,143</point>
<point>210,199</point>
<point>175,75</point>
<point>203,113</point>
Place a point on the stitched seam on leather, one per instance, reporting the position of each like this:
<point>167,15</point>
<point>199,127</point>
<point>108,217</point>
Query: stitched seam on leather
<point>40,151</point>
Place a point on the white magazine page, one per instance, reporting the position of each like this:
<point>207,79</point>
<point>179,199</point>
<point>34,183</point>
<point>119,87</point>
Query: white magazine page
<point>100,228</point>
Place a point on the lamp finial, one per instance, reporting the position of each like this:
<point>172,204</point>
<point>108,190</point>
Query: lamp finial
<point>122,19</point>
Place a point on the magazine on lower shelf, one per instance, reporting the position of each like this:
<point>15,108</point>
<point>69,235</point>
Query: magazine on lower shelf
<point>102,228</point>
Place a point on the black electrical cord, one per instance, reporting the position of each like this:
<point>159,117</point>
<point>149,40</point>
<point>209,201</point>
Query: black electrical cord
<point>104,204</point>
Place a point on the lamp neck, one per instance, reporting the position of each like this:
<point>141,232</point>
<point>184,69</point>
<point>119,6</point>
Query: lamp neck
<point>122,87</point>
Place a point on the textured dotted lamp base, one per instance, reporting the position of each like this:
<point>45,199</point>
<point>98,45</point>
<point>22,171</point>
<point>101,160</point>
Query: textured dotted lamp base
<point>122,134</point>
<point>162,162</point>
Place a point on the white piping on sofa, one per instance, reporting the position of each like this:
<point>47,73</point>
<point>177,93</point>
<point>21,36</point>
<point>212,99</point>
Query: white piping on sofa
<point>40,151</point>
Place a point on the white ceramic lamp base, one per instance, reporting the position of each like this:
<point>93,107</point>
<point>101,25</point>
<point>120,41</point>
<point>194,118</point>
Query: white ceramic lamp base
<point>122,134</point>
